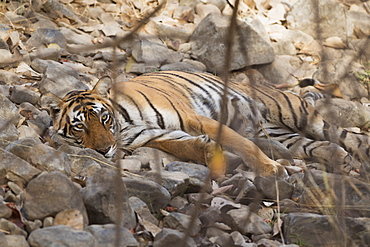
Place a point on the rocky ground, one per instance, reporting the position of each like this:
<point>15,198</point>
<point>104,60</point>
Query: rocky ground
<point>71,197</point>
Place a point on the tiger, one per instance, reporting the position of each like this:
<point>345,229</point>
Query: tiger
<point>180,113</point>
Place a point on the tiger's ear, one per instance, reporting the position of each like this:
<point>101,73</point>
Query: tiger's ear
<point>52,103</point>
<point>102,86</point>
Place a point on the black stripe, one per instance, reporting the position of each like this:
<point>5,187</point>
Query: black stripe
<point>159,116</point>
<point>325,130</point>
<point>277,105</point>
<point>305,148</point>
<point>122,111</point>
<point>130,140</point>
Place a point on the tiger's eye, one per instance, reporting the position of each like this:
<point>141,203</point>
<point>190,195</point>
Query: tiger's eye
<point>79,126</point>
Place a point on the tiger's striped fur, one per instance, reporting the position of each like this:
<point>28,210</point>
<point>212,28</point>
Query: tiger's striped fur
<point>178,112</point>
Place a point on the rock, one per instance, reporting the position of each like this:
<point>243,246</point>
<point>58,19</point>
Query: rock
<point>8,78</point>
<point>361,23</point>
<point>197,173</point>
<point>239,240</point>
<point>248,222</point>
<point>132,165</point>
<point>214,29</point>
<point>178,202</point>
<point>8,110</point>
<point>8,133</point>
<point>283,70</point>
<point>146,155</point>
<point>141,208</point>
<point>45,36</point>
<point>5,212</point>
<point>181,66</point>
<point>100,198</point>
<point>60,79</point>
<point>170,237</point>
<point>343,113</point>
<point>40,155</point>
<point>153,54</point>
<point>153,194</point>
<point>181,223</point>
<point>304,17</point>
<point>15,169</point>
<point>85,162</point>
<point>3,239</point>
<point>61,235</point>
<point>326,230</point>
<point>348,191</point>
<point>174,182</point>
<point>13,229</point>
<point>219,237</point>
<point>32,225</point>
<point>46,54</point>
<point>106,235</point>
<point>76,38</point>
<point>16,240</point>
<point>242,188</point>
<point>21,94</point>
<point>48,194</point>
<point>274,188</point>
<point>203,10</point>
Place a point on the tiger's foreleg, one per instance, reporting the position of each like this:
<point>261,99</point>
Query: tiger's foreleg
<point>200,148</point>
<point>231,140</point>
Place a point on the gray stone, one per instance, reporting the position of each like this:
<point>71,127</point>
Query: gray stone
<point>45,36</point>
<point>8,78</point>
<point>49,194</point>
<point>16,240</point>
<point>76,38</point>
<point>106,235</point>
<point>248,222</point>
<point>61,236</point>
<point>343,113</point>
<point>13,229</point>
<point>60,79</point>
<point>8,110</point>
<point>46,53</point>
<point>40,155</point>
<point>169,237</point>
<point>325,230</point>
<point>5,212</point>
<point>249,47</point>
<point>283,70</point>
<point>174,182</point>
<point>100,198</point>
<point>361,23</point>
<point>242,188</point>
<point>54,6</point>
<point>153,194</point>
<point>272,187</point>
<point>304,16</point>
<point>181,223</point>
<point>350,194</point>
<point>21,94</point>
<point>181,66</point>
<point>197,173</point>
<point>219,237</point>
<point>153,54</point>
<point>8,133</point>
<point>15,169</point>
<point>141,208</point>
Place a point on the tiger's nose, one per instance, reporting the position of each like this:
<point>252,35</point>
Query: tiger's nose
<point>103,151</point>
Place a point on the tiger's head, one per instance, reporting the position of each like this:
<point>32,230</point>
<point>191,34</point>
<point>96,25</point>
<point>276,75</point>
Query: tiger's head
<point>84,118</point>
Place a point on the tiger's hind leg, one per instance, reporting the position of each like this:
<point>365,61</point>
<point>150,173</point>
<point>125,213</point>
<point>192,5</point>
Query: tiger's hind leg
<point>336,158</point>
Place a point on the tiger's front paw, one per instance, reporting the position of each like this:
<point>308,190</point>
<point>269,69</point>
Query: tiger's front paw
<point>272,168</point>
